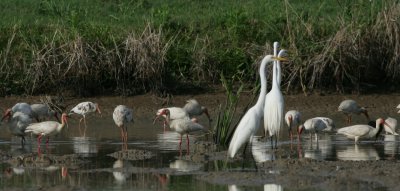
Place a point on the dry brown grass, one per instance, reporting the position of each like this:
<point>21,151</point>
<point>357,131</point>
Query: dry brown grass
<point>135,65</point>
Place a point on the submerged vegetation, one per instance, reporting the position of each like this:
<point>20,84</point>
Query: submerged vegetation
<point>131,47</point>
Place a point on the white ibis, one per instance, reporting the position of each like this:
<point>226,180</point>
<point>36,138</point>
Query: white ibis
<point>274,104</point>
<point>174,112</point>
<point>123,115</point>
<point>250,122</point>
<point>193,108</point>
<point>358,132</point>
<point>390,128</point>
<point>316,125</point>
<point>349,107</point>
<point>182,126</point>
<point>84,109</point>
<point>46,128</point>
<point>42,111</point>
<point>23,107</point>
<point>17,123</point>
<point>293,120</point>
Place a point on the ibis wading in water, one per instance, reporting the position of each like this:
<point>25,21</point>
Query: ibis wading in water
<point>193,108</point>
<point>358,132</point>
<point>84,109</point>
<point>46,128</point>
<point>293,120</point>
<point>182,126</point>
<point>316,125</point>
<point>17,123</point>
<point>349,107</point>
<point>123,115</point>
<point>43,112</point>
<point>174,113</point>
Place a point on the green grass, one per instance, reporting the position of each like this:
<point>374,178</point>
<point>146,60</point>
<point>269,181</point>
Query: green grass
<point>81,45</point>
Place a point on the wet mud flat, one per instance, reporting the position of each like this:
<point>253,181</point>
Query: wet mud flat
<point>309,174</point>
<point>288,168</point>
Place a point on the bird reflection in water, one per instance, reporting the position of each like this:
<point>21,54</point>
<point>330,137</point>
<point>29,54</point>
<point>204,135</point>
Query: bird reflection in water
<point>261,151</point>
<point>320,150</point>
<point>358,152</point>
<point>122,170</point>
<point>185,166</point>
<point>85,146</point>
<point>267,187</point>
<point>391,146</point>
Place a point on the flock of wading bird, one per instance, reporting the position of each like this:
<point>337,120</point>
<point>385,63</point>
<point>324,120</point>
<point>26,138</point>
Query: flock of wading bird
<point>269,107</point>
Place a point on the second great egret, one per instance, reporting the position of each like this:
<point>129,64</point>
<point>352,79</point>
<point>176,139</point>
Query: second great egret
<point>250,122</point>
<point>274,104</point>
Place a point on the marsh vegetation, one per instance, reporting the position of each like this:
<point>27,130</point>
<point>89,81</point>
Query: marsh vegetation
<point>132,47</point>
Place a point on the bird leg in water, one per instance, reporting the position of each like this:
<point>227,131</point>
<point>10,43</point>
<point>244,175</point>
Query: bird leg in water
<point>84,120</point>
<point>187,143</point>
<point>47,143</point>
<point>39,139</point>
<point>180,145</point>
<point>80,130</point>
<point>22,141</point>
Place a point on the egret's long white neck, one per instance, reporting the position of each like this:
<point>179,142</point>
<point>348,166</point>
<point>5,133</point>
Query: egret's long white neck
<point>277,65</point>
<point>263,91</point>
<point>276,69</point>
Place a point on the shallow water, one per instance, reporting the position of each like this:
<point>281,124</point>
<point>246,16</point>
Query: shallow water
<point>167,169</point>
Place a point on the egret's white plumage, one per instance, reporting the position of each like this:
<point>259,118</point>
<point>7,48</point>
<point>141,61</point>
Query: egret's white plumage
<point>250,122</point>
<point>293,120</point>
<point>274,105</point>
<point>123,115</point>
<point>84,109</point>
<point>17,123</point>
<point>349,107</point>
<point>46,128</point>
<point>358,132</point>
<point>42,111</point>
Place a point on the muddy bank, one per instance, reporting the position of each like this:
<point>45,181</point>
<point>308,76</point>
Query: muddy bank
<point>287,169</point>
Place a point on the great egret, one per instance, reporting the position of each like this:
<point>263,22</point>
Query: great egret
<point>250,122</point>
<point>84,109</point>
<point>293,119</point>
<point>46,128</point>
<point>123,115</point>
<point>357,132</point>
<point>349,107</point>
<point>274,104</point>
